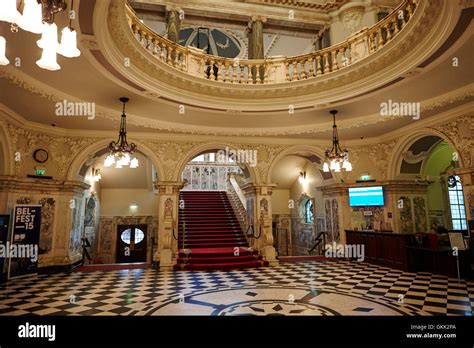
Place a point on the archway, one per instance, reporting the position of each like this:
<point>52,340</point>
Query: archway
<point>119,211</point>
<point>218,226</point>
<point>299,208</point>
<point>432,161</point>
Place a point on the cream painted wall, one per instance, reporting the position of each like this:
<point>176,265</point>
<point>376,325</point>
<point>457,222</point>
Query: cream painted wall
<point>116,202</point>
<point>280,200</point>
<point>313,180</point>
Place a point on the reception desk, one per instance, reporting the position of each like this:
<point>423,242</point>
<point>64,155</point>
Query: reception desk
<point>382,248</point>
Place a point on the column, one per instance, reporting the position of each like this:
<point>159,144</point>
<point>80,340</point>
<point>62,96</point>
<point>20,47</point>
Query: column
<point>168,206</point>
<point>259,205</point>
<point>62,218</point>
<point>173,23</point>
<point>256,46</point>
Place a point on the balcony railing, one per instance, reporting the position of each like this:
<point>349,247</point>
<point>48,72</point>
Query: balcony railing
<point>274,70</point>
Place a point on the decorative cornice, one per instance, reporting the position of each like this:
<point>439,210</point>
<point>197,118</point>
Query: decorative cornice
<point>15,183</point>
<point>35,87</point>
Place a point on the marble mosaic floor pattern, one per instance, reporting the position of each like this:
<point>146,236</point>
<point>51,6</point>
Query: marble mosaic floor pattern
<point>307,288</point>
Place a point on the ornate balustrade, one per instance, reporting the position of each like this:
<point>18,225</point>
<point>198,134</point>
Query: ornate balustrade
<point>278,69</point>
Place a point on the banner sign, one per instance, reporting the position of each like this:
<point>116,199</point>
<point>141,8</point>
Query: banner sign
<point>23,248</point>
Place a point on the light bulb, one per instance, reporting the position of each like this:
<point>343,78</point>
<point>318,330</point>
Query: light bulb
<point>349,167</point>
<point>68,46</point>
<point>126,159</point>
<point>134,163</point>
<point>109,160</point>
<point>3,47</point>
<point>118,164</point>
<point>325,167</point>
<point>337,166</point>
<point>8,11</point>
<point>332,165</point>
<point>48,60</point>
<point>49,39</point>
<point>32,19</point>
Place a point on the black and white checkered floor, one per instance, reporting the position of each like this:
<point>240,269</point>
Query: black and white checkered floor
<point>309,288</point>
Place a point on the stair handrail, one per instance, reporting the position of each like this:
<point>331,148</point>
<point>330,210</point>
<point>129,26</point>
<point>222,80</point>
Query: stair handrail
<point>237,201</point>
<point>86,244</point>
<point>238,191</point>
<point>320,237</point>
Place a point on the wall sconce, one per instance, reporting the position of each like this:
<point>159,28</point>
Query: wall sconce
<point>96,176</point>
<point>302,177</point>
<point>133,206</point>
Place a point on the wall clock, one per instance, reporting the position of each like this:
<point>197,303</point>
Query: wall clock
<point>40,155</point>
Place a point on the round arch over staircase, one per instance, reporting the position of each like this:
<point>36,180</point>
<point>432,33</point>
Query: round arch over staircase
<point>199,149</point>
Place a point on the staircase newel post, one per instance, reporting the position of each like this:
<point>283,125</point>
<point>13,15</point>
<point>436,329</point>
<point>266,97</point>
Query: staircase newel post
<point>168,206</point>
<point>259,207</point>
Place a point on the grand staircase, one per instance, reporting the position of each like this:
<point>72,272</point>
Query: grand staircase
<point>210,237</point>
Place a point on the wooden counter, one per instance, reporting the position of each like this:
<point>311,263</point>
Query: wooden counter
<point>382,248</point>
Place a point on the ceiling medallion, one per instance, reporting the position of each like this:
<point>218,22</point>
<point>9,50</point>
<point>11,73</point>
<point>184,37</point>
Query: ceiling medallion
<point>121,150</point>
<point>336,158</point>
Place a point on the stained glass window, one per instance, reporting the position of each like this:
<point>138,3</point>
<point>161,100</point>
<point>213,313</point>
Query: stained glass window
<point>308,212</point>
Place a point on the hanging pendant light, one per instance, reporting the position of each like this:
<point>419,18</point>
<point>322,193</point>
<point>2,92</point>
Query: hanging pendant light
<point>49,38</point>
<point>3,45</point>
<point>8,11</point>
<point>48,60</point>
<point>49,44</point>
<point>336,158</point>
<point>32,19</point>
<point>68,46</point>
<point>121,150</point>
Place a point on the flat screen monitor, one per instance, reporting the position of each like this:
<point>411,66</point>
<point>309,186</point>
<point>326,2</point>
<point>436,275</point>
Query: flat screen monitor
<point>366,196</point>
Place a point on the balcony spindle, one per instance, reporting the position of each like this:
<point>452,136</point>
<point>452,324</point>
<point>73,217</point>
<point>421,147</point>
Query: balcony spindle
<point>380,41</point>
<point>387,29</point>
<point>326,67</point>
<point>318,65</point>
<point>334,60</point>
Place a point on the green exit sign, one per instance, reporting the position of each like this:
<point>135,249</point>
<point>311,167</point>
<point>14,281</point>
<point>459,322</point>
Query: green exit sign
<point>40,172</point>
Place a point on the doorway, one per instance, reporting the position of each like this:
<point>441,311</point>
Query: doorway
<point>131,243</point>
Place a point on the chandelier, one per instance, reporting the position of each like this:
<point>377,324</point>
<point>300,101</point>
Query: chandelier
<point>121,150</point>
<point>38,18</point>
<point>336,158</point>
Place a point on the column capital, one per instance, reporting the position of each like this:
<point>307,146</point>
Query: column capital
<point>173,8</point>
<point>168,187</point>
<point>258,189</point>
<point>257,18</point>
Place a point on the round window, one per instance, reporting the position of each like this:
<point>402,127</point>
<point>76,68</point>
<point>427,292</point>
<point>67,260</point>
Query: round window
<point>139,235</point>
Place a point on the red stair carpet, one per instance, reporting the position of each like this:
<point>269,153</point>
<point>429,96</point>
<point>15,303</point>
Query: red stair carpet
<point>211,232</point>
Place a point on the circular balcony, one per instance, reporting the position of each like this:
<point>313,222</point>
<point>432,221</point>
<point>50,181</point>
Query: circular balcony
<point>366,61</point>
